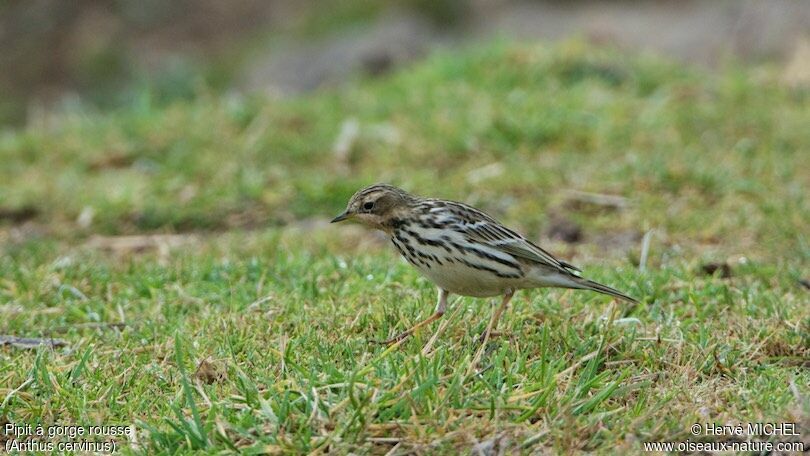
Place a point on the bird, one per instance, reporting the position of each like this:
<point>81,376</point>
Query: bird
<point>462,250</point>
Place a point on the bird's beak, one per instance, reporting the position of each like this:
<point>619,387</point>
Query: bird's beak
<point>340,217</point>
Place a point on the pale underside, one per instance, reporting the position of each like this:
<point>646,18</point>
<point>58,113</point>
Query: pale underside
<point>463,280</point>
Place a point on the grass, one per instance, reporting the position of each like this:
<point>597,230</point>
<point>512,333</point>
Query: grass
<point>247,317</point>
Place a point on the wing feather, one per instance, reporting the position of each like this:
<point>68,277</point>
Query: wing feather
<point>484,229</point>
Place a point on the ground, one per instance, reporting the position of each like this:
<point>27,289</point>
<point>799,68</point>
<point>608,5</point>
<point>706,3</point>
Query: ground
<point>182,256</point>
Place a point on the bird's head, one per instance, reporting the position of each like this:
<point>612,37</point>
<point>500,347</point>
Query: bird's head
<point>376,206</point>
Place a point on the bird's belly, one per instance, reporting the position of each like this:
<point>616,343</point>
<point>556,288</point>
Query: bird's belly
<point>466,281</point>
<point>457,266</point>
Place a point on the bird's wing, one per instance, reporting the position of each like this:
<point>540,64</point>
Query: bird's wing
<point>482,228</point>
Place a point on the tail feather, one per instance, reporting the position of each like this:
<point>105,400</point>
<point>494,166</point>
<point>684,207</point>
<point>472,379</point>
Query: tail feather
<point>569,280</point>
<point>586,284</point>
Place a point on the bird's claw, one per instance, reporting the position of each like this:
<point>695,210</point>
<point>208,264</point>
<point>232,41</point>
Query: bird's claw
<point>492,335</point>
<point>390,341</point>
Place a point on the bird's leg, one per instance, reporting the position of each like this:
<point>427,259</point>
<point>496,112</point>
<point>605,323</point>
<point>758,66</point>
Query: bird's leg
<point>496,316</point>
<point>492,323</point>
<point>441,306</point>
<point>426,349</point>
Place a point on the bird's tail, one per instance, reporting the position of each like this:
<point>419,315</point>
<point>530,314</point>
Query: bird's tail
<point>585,284</point>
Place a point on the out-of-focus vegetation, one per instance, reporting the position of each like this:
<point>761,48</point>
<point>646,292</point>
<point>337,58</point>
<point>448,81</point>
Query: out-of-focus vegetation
<point>103,55</point>
<point>107,53</point>
<point>709,160</point>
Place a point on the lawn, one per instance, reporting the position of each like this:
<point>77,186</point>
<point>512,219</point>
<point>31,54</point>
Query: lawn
<point>182,254</point>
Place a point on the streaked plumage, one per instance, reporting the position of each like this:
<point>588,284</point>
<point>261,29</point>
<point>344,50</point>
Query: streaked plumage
<point>461,249</point>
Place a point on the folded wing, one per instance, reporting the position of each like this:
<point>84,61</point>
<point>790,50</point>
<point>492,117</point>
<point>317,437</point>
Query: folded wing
<point>481,228</point>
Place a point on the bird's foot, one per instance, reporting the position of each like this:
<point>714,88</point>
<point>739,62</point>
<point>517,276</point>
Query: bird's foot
<point>399,337</point>
<point>403,335</point>
<point>492,335</point>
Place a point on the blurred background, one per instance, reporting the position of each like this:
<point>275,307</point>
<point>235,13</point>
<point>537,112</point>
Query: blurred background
<point>104,53</point>
<point>125,117</point>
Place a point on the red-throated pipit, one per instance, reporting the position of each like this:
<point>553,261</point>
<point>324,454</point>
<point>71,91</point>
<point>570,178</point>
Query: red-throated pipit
<point>462,250</point>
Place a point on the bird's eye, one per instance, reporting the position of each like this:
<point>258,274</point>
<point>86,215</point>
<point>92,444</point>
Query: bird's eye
<point>368,205</point>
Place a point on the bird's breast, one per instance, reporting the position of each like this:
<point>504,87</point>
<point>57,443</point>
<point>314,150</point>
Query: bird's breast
<point>457,264</point>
